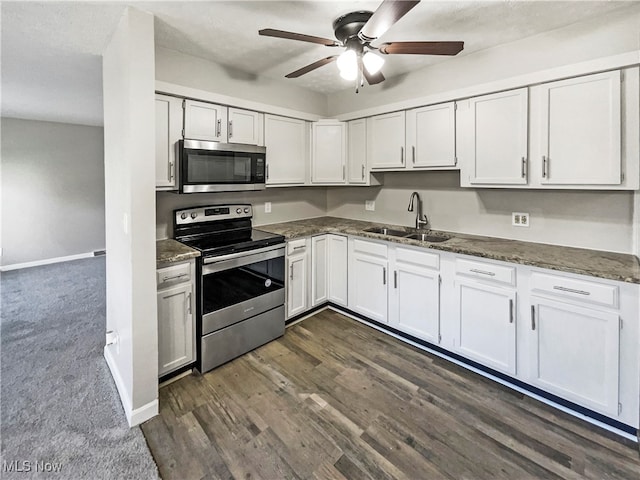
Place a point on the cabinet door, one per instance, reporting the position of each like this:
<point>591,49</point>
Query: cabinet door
<point>168,132</point>
<point>496,138</point>
<point>580,131</point>
<point>368,294</point>
<point>431,136</point>
<point>357,152</point>
<point>487,326</point>
<point>286,140</point>
<point>575,353</point>
<point>319,270</point>
<point>297,286</point>
<point>328,152</point>
<point>415,301</point>
<point>175,328</point>
<point>337,269</point>
<point>385,141</point>
<point>245,127</point>
<point>205,121</point>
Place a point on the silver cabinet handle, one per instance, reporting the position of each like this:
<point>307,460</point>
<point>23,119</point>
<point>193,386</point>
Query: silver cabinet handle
<point>395,279</point>
<point>189,303</point>
<point>344,172</point>
<point>173,277</point>
<point>230,128</point>
<point>571,290</point>
<point>219,128</point>
<point>413,154</point>
<point>384,275</point>
<point>299,247</point>
<point>524,167</point>
<point>291,271</point>
<point>544,166</point>
<point>267,171</point>
<point>171,166</point>
<point>510,310</point>
<point>402,155</point>
<point>362,171</point>
<point>533,317</point>
<point>483,272</point>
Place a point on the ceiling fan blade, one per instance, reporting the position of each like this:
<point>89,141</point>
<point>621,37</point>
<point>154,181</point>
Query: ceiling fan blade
<point>373,78</point>
<point>270,32</point>
<point>421,48</point>
<point>311,67</point>
<point>388,13</point>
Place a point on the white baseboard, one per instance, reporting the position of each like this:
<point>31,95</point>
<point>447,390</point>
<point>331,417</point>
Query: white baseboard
<point>47,261</point>
<point>134,416</point>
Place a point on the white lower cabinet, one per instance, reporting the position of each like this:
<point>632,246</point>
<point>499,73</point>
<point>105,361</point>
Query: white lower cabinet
<point>337,269</point>
<point>176,328</point>
<point>319,269</point>
<point>575,353</point>
<point>414,295</point>
<point>298,259</point>
<point>368,279</point>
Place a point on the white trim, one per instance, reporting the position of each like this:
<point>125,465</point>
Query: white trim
<point>494,378</point>
<point>558,73</point>
<point>197,94</point>
<point>47,261</point>
<point>144,413</point>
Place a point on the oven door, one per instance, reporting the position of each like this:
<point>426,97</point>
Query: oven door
<point>241,285</point>
<point>220,167</point>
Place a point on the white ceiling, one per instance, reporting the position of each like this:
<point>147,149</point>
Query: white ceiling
<point>51,66</point>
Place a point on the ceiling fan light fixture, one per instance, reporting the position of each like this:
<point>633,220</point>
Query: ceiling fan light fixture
<point>372,62</point>
<point>348,65</point>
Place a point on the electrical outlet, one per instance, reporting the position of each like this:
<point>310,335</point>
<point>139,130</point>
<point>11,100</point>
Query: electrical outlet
<point>519,219</point>
<point>370,205</point>
<point>267,207</point>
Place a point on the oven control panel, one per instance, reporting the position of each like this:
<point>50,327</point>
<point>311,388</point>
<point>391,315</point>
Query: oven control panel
<point>212,213</point>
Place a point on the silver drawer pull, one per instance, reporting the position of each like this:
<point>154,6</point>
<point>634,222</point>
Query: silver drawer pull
<point>483,272</point>
<point>298,248</point>
<point>510,310</point>
<point>174,277</point>
<point>570,290</point>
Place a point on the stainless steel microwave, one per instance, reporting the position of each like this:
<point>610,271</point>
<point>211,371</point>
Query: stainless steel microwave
<point>220,167</point>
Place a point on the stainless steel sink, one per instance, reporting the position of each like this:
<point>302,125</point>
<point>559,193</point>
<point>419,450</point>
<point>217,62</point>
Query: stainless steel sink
<point>427,237</point>
<point>387,231</point>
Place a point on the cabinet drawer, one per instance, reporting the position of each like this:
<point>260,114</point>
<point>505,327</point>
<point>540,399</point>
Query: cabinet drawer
<point>422,259</point>
<point>370,248</point>
<point>582,290</point>
<point>486,271</point>
<point>296,246</point>
<point>173,275</point>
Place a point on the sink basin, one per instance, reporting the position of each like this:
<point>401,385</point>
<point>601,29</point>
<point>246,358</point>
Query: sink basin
<point>427,237</point>
<point>387,231</point>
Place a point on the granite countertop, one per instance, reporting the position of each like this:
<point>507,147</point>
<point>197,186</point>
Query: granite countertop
<point>609,265</point>
<point>170,251</point>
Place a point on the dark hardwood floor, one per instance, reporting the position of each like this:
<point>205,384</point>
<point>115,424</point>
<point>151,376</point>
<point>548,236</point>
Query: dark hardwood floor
<point>335,399</point>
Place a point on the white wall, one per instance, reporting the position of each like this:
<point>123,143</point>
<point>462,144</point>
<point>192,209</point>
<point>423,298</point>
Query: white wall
<point>287,204</point>
<point>129,135</point>
<point>189,71</point>
<point>609,35</point>
<point>52,190</point>
<point>596,220</point>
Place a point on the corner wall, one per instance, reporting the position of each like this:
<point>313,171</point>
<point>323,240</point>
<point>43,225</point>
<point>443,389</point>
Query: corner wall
<point>129,138</point>
<point>52,191</point>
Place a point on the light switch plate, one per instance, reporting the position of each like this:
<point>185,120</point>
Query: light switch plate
<point>370,205</point>
<point>267,207</point>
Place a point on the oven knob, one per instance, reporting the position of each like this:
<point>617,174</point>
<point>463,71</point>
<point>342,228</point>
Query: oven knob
<point>238,210</point>
<point>246,209</point>
<point>183,216</point>
<point>194,215</point>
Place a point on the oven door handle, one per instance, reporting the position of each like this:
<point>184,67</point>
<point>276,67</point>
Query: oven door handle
<point>234,260</point>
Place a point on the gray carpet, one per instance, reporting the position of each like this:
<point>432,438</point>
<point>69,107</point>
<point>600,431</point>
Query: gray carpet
<point>57,398</point>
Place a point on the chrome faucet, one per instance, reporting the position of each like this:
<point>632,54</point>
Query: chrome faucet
<point>421,220</point>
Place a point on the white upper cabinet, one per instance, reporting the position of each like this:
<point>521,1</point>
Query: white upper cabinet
<point>431,136</point>
<point>580,134</point>
<point>246,127</point>
<point>493,133</point>
<point>328,152</point>
<point>385,141</point>
<point>168,132</point>
<point>205,121</point>
<point>287,142</point>
<point>357,152</point>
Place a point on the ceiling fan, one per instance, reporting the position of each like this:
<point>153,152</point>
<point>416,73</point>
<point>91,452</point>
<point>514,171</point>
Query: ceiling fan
<point>355,31</point>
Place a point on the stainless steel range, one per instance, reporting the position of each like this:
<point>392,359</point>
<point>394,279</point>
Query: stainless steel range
<point>240,282</point>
